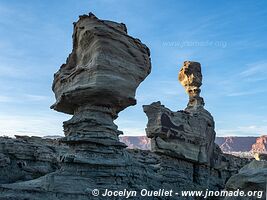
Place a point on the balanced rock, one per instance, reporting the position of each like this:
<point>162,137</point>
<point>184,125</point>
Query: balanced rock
<point>190,77</point>
<point>185,134</point>
<point>99,79</point>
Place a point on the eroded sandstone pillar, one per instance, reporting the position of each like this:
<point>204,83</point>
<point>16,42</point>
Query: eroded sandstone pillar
<point>190,77</point>
<point>98,80</point>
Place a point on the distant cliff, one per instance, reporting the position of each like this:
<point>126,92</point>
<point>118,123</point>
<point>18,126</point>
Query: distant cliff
<point>261,144</point>
<point>227,144</point>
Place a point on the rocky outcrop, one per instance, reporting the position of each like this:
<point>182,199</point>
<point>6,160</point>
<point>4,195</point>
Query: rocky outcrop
<point>187,134</point>
<point>148,170</point>
<point>230,145</point>
<point>180,134</point>
<point>251,177</point>
<point>98,81</point>
<point>27,158</point>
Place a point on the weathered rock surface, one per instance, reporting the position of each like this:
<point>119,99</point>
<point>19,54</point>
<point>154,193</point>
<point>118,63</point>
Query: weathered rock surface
<point>190,77</point>
<point>27,158</point>
<point>260,145</point>
<point>252,177</point>
<point>238,146</point>
<point>185,134</point>
<point>99,79</point>
<point>180,134</point>
<point>144,169</point>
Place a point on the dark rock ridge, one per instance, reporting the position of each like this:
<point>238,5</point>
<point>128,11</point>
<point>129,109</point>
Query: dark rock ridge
<point>26,158</point>
<point>251,177</point>
<point>99,80</point>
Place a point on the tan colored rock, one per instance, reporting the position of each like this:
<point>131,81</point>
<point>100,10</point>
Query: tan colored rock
<point>261,145</point>
<point>190,77</point>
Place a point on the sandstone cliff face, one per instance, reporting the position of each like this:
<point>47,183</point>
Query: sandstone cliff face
<point>136,142</point>
<point>261,145</point>
<point>231,145</point>
<point>235,144</point>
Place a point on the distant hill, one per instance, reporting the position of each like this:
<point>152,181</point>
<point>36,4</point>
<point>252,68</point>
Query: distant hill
<point>227,144</point>
<point>230,144</point>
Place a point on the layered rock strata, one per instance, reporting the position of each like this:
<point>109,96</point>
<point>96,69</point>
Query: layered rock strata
<point>99,80</point>
<point>25,158</point>
<point>252,177</point>
<point>187,134</point>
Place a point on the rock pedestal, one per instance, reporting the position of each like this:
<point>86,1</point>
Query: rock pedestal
<point>99,80</point>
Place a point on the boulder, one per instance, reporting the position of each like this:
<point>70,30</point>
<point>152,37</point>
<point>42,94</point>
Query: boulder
<point>252,177</point>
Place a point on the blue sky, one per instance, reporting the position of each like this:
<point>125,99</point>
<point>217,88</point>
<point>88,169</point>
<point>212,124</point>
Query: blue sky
<point>227,37</point>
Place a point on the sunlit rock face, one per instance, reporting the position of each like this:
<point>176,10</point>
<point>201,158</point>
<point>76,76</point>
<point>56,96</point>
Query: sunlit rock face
<point>190,77</point>
<point>99,79</point>
<point>187,134</point>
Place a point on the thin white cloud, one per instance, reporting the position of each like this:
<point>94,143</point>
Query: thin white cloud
<point>5,99</point>
<point>33,97</point>
<point>245,93</point>
<point>25,97</point>
<point>133,131</point>
<point>30,125</point>
<point>255,69</point>
<point>250,130</point>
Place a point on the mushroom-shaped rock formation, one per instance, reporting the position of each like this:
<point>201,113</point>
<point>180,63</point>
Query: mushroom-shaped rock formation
<point>99,80</point>
<point>190,77</point>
